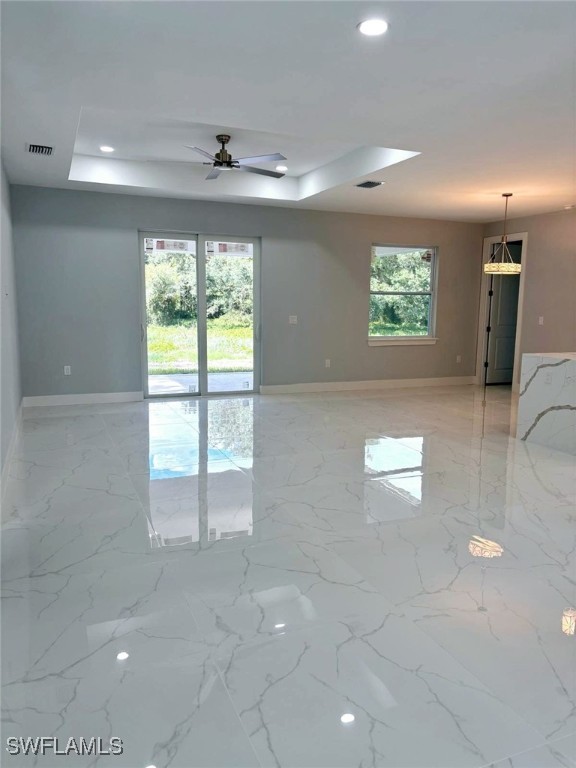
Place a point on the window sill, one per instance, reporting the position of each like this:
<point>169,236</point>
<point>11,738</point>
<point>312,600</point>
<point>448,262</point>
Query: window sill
<point>397,341</point>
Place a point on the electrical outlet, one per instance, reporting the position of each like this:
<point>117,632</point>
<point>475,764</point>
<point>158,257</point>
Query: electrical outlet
<point>540,320</point>
<point>327,362</point>
<point>293,319</point>
<point>67,370</point>
<point>458,358</point>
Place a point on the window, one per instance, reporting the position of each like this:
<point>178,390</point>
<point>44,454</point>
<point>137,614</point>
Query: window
<point>402,294</point>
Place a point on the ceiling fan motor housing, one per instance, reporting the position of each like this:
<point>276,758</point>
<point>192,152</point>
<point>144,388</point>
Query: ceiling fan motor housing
<point>223,156</point>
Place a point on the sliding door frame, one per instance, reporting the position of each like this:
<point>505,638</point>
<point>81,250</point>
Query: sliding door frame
<point>201,328</point>
<point>161,234</point>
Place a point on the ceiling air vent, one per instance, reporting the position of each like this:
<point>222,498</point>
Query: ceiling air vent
<point>369,184</point>
<point>39,149</point>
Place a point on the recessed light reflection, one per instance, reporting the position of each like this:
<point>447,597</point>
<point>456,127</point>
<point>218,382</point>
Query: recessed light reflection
<point>122,656</point>
<point>347,718</point>
<point>106,148</point>
<point>569,621</point>
<point>279,626</point>
<point>373,27</point>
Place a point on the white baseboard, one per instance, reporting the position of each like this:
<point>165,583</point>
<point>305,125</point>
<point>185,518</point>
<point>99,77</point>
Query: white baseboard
<point>10,452</point>
<point>344,386</point>
<point>91,399</point>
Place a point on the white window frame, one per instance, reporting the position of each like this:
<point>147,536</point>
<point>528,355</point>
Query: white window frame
<point>430,338</point>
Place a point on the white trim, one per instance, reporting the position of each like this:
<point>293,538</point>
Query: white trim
<point>10,452</point>
<point>401,341</point>
<point>343,386</point>
<point>90,399</point>
<point>483,309</point>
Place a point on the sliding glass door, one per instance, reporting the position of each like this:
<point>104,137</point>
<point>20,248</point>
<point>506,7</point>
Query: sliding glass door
<point>229,314</point>
<point>200,328</point>
<point>170,328</point>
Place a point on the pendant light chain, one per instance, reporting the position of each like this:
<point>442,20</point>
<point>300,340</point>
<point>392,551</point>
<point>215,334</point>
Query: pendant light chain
<point>506,195</point>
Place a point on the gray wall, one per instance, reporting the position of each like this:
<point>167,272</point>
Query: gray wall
<point>550,280</point>
<point>10,392</point>
<point>79,288</point>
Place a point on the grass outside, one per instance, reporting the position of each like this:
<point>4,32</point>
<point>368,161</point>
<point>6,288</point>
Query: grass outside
<point>378,328</point>
<point>174,348</point>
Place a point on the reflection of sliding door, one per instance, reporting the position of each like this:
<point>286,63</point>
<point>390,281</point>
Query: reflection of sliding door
<point>198,495</point>
<point>201,321</point>
<point>170,327</point>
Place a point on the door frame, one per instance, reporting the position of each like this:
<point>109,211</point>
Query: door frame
<point>200,239</point>
<point>483,309</point>
<point>256,314</point>
<point>142,234</point>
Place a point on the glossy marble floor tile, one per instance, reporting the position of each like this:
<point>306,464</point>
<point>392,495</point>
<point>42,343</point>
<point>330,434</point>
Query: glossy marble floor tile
<point>550,756</point>
<point>325,580</point>
<point>408,702</point>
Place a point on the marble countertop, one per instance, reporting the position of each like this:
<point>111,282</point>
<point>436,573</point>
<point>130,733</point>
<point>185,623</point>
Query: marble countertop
<point>547,400</point>
<point>562,355</point>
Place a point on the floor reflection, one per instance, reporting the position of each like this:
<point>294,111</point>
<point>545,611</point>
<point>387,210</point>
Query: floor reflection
<point>395,467</point>
<point>195,492</point>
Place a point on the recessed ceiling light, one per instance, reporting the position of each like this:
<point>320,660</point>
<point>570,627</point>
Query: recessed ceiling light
<point>106,148</point>
<point>282,168</point>
<point>122,656</point>
<point>347,718</point>
<point>373,27</point>
<point>569,207</point>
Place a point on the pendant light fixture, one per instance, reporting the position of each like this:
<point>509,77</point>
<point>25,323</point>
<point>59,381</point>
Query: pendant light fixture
<point>501,261</point>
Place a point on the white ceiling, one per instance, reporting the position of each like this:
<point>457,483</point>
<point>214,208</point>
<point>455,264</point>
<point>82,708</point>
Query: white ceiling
<point>485,91</point>
<point>146,135</point>
<point>151,153</point>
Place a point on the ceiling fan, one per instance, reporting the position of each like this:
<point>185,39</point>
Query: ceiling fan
<point>223,160</point>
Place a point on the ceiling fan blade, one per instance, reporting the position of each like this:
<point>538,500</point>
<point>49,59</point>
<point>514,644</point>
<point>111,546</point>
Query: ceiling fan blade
<point>214,173</point>
<point>201,151</point>
<point>259,159</point>
<point>261,171</point>
<point>159,161</point>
